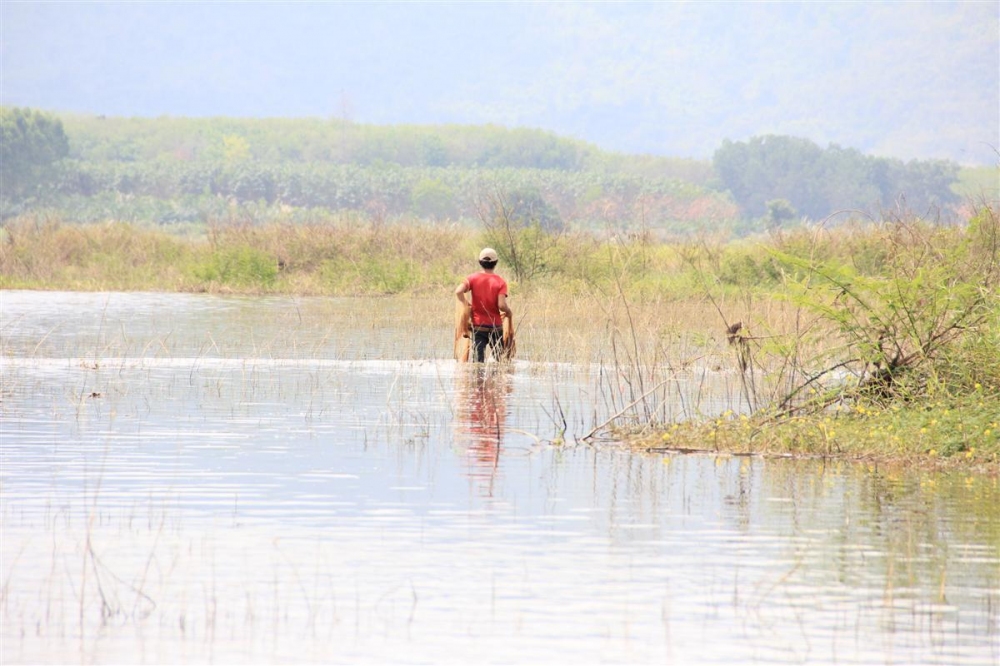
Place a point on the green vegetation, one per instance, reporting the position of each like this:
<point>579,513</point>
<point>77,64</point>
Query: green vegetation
<point>978,184</point>
<point>169,171</point>
<point>31,143</point>
<point>952,431</point>
<point>335,257</point>
<point>187,171</point>
<point>98,139</point>
<point>198,193</point>
<point>818,183</point>
<point>894,352</point>
<point>873,340</point>
<point>862,323</point>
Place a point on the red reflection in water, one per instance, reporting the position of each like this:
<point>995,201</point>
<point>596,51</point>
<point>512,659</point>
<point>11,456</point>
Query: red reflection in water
<point>480,415</point>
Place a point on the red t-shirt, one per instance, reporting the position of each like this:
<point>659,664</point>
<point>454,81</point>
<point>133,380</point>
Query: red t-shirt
<point>486,289</point>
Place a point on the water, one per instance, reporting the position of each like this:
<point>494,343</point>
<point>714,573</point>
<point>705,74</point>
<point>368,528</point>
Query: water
<point>189,478</point>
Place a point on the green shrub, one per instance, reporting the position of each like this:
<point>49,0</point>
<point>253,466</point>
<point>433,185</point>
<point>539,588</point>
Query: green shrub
<point>238,266</point>
<point>370,275</point>
<point>930,316</point>
<point>744,270</point>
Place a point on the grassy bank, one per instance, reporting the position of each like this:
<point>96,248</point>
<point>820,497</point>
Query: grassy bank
<point>875,341</point>
<point>894,356</point>
<point>334,257</point>
<point>950,431</point>
<point>340,255</point>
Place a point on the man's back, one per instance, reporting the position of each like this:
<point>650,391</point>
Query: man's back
<point>486,289</point>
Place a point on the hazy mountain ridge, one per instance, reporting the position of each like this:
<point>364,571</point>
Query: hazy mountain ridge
<point>907,80</point>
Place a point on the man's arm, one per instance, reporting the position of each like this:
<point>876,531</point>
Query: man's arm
<point>503,307</point>
<point>460,292</point>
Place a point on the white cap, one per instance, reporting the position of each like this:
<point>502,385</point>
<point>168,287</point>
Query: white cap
<point>488,254</point>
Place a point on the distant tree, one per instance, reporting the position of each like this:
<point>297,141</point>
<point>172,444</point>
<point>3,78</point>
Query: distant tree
<point>818,182</point>
<point>778,212</point>
<point>770,167</point>
<point>31,143</point>
<point>435,153</point>
<point>432,198</point>
<point>528,207</point>
<point>514,226</point>
<point>915,185</point>
<point>845,182</point>
<point>235,148</point>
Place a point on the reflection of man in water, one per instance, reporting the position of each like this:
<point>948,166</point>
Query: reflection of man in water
<point>482,410</point>
<point>489,306</point>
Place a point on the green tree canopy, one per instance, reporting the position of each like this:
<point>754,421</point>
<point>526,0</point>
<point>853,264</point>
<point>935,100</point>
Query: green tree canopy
<point>31,142</point>
<point>818,182</point>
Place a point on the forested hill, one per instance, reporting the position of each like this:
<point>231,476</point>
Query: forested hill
<point>167,170</point>
<point>98,139</point>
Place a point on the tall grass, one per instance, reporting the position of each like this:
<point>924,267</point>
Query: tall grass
<point>334,257</point>
<point>331,255</point>
<point>894,329</point>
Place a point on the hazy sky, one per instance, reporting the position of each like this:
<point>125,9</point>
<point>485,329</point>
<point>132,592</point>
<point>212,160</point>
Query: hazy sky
<point>905,79</point>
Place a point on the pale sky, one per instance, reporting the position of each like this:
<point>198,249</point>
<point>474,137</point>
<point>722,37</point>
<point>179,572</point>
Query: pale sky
<point>903,79</point>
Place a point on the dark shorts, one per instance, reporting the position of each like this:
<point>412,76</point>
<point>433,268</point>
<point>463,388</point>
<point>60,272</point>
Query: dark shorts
<point>483,336</point>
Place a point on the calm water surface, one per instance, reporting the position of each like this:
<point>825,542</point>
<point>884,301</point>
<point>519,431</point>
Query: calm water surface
<point>206,479</point>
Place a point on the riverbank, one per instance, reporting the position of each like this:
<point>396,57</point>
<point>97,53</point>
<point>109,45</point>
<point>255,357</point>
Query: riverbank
<point>944,433</point>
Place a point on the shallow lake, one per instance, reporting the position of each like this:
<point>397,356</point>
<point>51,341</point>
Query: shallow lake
<point>190,478</point>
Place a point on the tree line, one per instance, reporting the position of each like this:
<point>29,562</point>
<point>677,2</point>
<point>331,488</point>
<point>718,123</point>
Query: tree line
<point>31,145</point>
<point>272,141</point>
<point>783,177</point>
<point>165,170</point>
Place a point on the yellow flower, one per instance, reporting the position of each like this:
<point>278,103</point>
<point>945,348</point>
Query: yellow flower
<point>933,452</point>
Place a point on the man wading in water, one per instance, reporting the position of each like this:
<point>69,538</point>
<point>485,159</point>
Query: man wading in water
<point>489,306</point>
